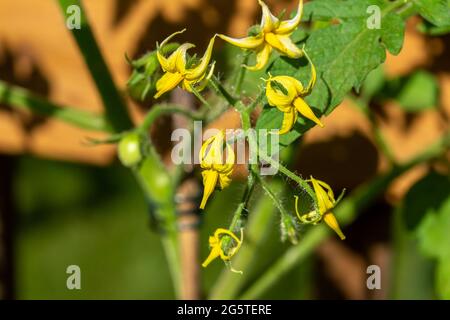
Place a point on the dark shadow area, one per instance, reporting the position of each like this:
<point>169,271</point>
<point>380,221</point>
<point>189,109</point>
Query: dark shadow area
<point>34,81</point>
<point>344,162</point>
<point>7,228</point>
<point>122,7</point>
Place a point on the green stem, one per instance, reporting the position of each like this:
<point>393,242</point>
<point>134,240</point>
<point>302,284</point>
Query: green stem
<point>241,74</point>
<point>158,187</point>
<point>21,98</point>
<point>288,173</point>
<point>240,215</point>
<point>200,97</point>
<point>346,212</point>
<point>287,223</point>
<point>160,109</point>
<point>115,107</point>
<point>257,100</point>
<point>220,90</point>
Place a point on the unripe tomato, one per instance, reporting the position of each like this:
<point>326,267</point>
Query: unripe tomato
<point>129,150</point>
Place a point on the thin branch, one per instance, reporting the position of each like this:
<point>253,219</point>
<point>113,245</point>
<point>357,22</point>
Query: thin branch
<point>161,109</point>
<point>21,98</point>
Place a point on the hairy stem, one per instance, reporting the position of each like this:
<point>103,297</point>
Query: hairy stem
<point>241,74</point>
<point>161,109</point>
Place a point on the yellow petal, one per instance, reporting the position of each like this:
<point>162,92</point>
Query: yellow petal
<point>298,86</point>
<point>303,108</point>
<point>224,180</point>
<point>215,253</point>
<point>213,154</point>
<point>288,26</point>
<point>199,84</point>
<point>312,81</point>
<point>167,82</point>
<point>203,153</point>
<point>219,233</point>
<point>180,58</point>
<point>226,167</point>
<point>262,57</point>
<point>252,42</point>
<point>209,183</point>
<point>325,204</point>
<point>331,221</point>
<point>167,64</point>
<point>284,45</point>
<point>277,97</point>
<point>200,70</point>
<point>328,188</point>
<point>289,120</point>
<point>268,21</point>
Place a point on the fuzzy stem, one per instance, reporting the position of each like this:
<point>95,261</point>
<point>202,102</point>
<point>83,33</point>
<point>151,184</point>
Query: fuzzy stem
<point>241,74</point>
<point>220,90</point>
<point>161,109</point>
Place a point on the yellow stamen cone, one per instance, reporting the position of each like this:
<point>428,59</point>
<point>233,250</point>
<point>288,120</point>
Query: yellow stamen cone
<point>331,221</point>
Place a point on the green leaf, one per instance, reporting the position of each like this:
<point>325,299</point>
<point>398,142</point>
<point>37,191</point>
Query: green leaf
<point>434,226</point>
<point>419,202</point>
<point>435,11</point>
<point>374,83</point>
<point>443,278</point>
<point>393,32</point>
<point>338,9</point>
<point>420,92</point>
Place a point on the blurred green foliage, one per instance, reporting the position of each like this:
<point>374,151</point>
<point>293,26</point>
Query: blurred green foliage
<point>96,218</point>
<point>426,214</point>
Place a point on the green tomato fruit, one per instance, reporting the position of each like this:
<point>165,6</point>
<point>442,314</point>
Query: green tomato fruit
<point>129,150</point>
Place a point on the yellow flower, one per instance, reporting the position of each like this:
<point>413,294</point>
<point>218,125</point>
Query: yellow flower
<point>215,244</point>
<point>215,169</point>
<point>286,94</point>
<point>326,202</point>
<point>273,34</point>
<point>177,71</point>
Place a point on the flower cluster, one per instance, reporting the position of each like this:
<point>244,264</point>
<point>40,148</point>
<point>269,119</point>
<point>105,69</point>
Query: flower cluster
<point>283,92</point>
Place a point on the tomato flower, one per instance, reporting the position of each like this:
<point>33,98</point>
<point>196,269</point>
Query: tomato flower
<point>178,71</point>
<point>273,34</point>
<point>286,94</point>
<point>215,244</point>
<point>215,169</point>
<point>326,202</point>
